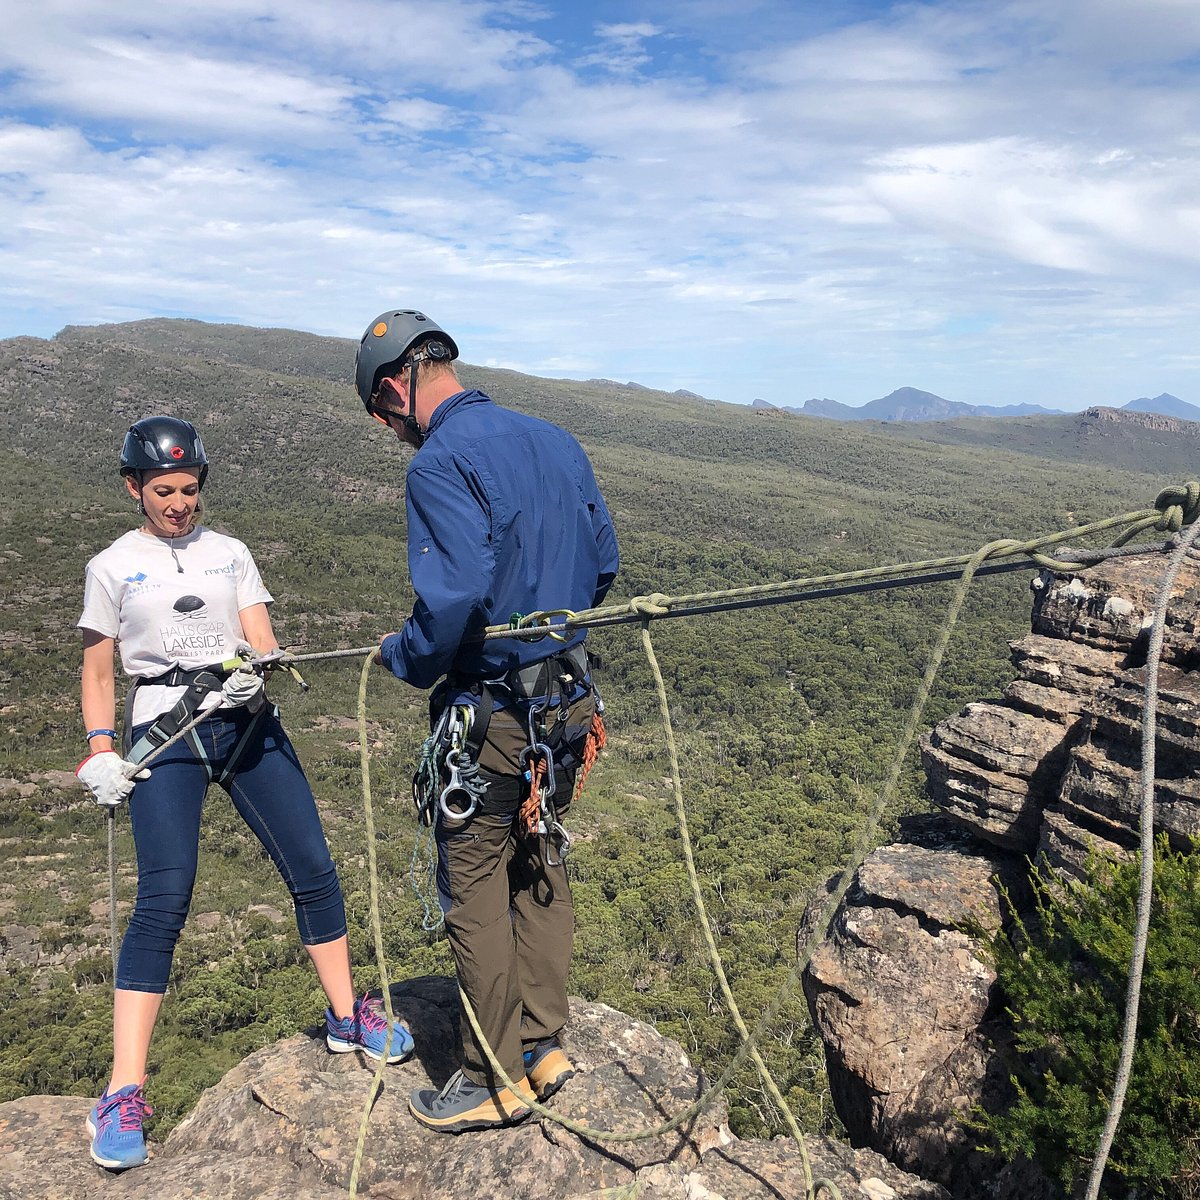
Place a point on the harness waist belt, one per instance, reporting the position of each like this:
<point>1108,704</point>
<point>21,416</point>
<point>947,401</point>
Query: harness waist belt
<point>550,679</point>
<point>182,677</point>
<point>537,680</point>
<point>199,683</point>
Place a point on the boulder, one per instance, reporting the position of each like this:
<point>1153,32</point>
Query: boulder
<point>284,1123</point>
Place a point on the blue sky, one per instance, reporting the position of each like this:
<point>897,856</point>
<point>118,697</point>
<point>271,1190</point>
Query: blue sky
<point>996,202</point>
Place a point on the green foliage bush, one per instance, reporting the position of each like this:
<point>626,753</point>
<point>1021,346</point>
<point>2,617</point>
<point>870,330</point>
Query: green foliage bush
<point>1064,976</point>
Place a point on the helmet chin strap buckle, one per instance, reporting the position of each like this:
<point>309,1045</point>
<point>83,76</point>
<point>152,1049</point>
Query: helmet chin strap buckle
<point>415,433</point>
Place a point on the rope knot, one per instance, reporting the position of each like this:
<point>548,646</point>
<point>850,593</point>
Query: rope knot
<point>652,605</point>
<point>1179,505</point>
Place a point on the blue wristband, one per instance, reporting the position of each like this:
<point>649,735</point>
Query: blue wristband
<point>91,733</point>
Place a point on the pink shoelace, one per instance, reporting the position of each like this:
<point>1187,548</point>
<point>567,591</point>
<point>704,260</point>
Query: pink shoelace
<point>132,1110</point>
<point>370,1015</point>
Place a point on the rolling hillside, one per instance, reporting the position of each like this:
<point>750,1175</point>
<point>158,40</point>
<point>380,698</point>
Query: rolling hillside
<point>786,715</point>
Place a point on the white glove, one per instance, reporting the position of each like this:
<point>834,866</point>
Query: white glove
<point>243,688</point>
<point>108,777</point>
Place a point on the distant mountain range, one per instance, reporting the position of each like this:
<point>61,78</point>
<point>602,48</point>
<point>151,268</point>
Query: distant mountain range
<point>911,404</point>
<point>1166,405</point>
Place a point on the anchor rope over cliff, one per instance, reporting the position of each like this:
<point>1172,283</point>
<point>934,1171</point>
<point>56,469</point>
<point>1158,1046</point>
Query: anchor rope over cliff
<point>1174,507</point>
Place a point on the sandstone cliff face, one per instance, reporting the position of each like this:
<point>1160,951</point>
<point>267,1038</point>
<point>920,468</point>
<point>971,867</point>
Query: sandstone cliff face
<point>283,1125</point>
<point>900,989</point>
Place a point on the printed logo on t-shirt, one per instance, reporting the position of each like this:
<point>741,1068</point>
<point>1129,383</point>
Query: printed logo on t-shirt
<point>228,569</point>
<point>190,608</point>
<point>140,584</point>
<point>191,634</point>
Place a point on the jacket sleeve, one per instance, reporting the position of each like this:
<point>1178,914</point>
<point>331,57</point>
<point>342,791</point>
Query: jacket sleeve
<point>450,565</point>
<point>606,537</point>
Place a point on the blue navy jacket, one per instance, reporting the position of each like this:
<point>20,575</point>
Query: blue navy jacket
<point>504,516</point>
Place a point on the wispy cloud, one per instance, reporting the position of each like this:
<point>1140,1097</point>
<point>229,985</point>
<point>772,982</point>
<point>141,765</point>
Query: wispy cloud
<point>942,194</point>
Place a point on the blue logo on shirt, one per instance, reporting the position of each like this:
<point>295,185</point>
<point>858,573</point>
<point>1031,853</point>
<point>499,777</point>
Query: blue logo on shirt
<point>140,577</point>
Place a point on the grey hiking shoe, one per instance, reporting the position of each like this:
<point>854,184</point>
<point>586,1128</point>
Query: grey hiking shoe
<point>462,1105</point>
<point>548,1067</point>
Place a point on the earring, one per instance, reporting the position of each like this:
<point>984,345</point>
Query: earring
<point>141,508</point>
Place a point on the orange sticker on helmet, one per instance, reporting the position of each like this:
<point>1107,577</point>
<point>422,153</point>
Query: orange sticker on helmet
<point>176,451</point>
<point>380,329</point>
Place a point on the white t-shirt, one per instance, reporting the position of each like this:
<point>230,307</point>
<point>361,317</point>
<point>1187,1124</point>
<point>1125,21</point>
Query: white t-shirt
<point>170,602</point>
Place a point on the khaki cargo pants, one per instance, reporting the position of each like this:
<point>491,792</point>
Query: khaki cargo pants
<point>509,915</point>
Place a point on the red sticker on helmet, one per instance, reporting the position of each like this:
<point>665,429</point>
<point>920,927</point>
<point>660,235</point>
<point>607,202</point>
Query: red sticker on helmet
<point>176,451</point>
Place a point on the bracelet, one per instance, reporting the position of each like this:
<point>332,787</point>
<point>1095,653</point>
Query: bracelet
<point>91,733</point>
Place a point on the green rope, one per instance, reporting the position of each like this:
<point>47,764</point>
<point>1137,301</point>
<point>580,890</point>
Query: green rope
<point>1174,507</point>
<point>364,758</point>
<point>862,848</point>
<point>714,954</point>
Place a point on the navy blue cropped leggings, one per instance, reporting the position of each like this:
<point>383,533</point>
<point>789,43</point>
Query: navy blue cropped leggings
<point>269,790</point>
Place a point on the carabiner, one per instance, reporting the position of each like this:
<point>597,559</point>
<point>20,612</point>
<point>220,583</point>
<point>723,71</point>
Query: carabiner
<point>548,784</point>
<point>558,831</point>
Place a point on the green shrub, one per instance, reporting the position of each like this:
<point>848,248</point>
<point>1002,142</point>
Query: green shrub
<point>1064,976</point>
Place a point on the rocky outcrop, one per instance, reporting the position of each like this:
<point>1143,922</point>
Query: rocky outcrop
<point>901,989</point>
<point>1130,417</point>
<point>283,1125</point>
<point>901,995</point>
<point>1052,768</point>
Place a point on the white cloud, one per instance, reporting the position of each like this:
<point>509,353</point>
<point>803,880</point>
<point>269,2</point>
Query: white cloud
<point>945,186</point>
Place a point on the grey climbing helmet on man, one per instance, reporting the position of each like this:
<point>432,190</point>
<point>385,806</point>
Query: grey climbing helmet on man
<point>162,444</point>
<point>388,339</point>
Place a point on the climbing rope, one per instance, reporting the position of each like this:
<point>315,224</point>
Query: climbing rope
<point>114,948</point>
<point>862,848</point>
<point>1174,507</point>
<point>1145,897</point>
<point>364,758</point>
<point>749,1038</point>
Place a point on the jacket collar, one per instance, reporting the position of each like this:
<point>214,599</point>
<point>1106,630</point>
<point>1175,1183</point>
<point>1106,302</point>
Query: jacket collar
<point>453,404</point>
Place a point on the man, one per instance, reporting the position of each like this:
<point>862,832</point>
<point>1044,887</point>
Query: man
<point>504,516</point>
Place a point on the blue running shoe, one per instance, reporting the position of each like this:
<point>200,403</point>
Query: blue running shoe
<point>115,1124</point>
<point>366,1030</point>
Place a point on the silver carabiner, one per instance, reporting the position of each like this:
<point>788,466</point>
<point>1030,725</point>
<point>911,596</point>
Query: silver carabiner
<point>549,784</point>
<point>557,830</point>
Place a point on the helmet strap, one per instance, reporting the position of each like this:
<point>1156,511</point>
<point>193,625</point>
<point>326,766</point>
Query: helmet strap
<point>415,432</point>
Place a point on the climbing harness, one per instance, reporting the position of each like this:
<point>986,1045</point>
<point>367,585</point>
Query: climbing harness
<point>200,683</point>
<point>200,701</point>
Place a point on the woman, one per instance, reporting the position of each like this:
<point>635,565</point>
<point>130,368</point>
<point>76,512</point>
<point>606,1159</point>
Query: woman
<point>176,598</point>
